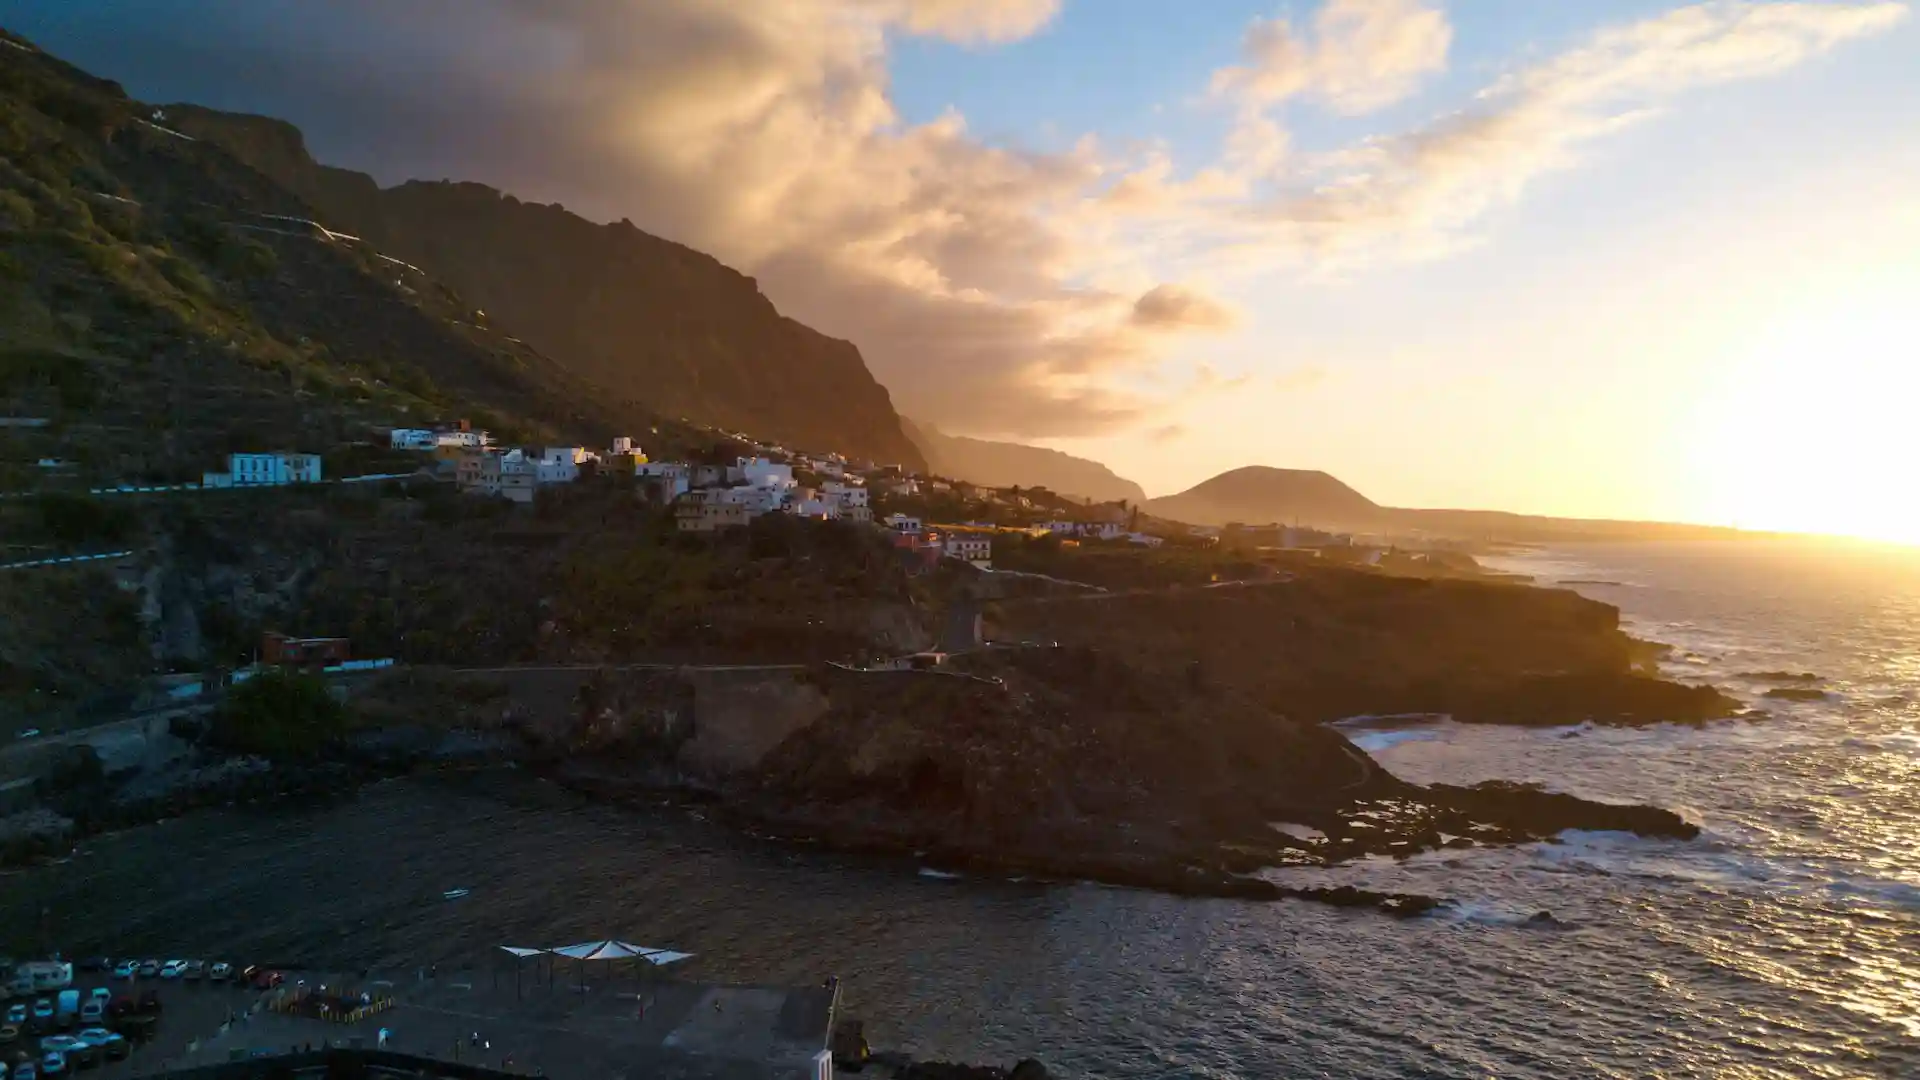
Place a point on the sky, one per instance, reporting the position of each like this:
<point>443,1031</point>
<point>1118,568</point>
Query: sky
<point>1616,258</point>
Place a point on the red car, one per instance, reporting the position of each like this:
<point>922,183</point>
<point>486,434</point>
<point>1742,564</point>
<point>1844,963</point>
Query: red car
<point>267,980</point>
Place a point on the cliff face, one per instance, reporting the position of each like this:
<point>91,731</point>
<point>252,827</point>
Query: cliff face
<point>1331,643</point>
<point>1005,464</point>
<point>641,316</point>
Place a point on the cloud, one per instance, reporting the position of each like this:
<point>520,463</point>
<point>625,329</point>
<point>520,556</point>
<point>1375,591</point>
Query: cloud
<point>995,291</point>
<point>1174,307</point>
<point>1301,378</point>
<point>1361,55</point>
<point>1167,433</point>
<point>1417,189</point>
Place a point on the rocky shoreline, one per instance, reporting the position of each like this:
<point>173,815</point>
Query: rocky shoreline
<point>1155,742</point>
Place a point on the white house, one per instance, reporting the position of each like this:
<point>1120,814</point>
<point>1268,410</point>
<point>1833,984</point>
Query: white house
<point>470,439</point>
<point>266,470</point>
<point>757,500</point>
<point>847,495</point>
<point>560,464</point>
<point>413,439</point>
<point>904,488</point>
<point>971,547</point>
<point>519,476</point>
<point>759,472</point>
<point>1059,528</point>
<point>909,526</point>
<point>667,479</point>
<point>622,444</point>
<point>806,503</point>
<point>830,467</point>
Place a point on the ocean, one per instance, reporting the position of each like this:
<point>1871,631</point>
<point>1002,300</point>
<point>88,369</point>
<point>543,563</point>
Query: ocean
<point>1785,942</point>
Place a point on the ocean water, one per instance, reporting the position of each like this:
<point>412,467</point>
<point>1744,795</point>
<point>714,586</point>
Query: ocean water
<point>1783,943</point>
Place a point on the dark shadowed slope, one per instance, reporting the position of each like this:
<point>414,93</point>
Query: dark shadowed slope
<point>631,312</point>
<point>1005,464</point>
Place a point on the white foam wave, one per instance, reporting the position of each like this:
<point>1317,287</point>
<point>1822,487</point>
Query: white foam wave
<point>941,875</point>
<point>1375,741</point>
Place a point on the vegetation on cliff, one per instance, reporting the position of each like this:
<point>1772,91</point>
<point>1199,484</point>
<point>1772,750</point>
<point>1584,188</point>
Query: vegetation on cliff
<point>641,316</point>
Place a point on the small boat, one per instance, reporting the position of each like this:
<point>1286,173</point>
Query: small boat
<point>455,894</point>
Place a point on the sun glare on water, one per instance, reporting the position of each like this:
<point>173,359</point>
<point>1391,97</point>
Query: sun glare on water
<point>1817,429</point>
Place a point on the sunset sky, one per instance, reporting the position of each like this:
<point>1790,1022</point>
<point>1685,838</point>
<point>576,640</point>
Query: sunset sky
<point>1614,258</point>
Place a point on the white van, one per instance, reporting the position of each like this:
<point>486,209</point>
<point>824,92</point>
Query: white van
<point>48,974</point>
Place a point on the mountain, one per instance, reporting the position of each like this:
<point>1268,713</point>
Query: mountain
<point>1005,464</point>
<point>1258,495</point>
<point>162,304</point>
<point>637,315</point>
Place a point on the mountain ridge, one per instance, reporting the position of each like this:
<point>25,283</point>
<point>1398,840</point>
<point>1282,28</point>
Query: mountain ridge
<point>631,312</point>
<point>1259,494</point>
<point>1008,464</point>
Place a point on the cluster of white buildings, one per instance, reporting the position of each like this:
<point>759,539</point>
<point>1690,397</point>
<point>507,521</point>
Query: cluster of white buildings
<point>481,468</point>
<point>969,543</point>
<point>709,497</point>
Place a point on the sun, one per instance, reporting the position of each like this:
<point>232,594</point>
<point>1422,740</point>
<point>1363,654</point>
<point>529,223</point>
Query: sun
<point>1816,427</point>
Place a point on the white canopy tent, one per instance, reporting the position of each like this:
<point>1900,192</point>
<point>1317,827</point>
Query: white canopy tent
<point>606,949</point>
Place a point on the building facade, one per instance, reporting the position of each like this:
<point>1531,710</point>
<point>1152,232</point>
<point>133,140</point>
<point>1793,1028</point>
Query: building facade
<point>283,467</point>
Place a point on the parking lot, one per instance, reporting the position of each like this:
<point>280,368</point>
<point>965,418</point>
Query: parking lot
<point>189,1010</point>
<point>557,1028</point>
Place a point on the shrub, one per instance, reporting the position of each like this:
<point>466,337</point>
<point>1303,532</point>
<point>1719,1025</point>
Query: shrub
<point>280,714</point>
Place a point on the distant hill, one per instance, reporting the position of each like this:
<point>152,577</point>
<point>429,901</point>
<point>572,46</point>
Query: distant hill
<point>637,315</point>
<point>1258,494</point>
<point>1005,464</point>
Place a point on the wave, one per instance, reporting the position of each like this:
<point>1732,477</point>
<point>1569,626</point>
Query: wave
<point>1713,862</point>
<point>1374,742</point>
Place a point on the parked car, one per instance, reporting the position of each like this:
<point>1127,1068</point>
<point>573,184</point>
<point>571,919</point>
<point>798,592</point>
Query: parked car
<point>149,968</point>
<point>9,1034</point>
<point>43,1012</point>
<point>53,1063</point>
<point>16,1014</point>
<point>220,972</point>
<point>116,1047</point>
<point>25,1071</point>
<point>173,969</point>
<point>126,969</point>
<point>62,1043</point>
<point>93,1012</point>
<point>194,969</point>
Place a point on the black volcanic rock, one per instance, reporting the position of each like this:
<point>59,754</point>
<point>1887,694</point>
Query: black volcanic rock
<point>1797,693</point>
<point>639,315</point>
